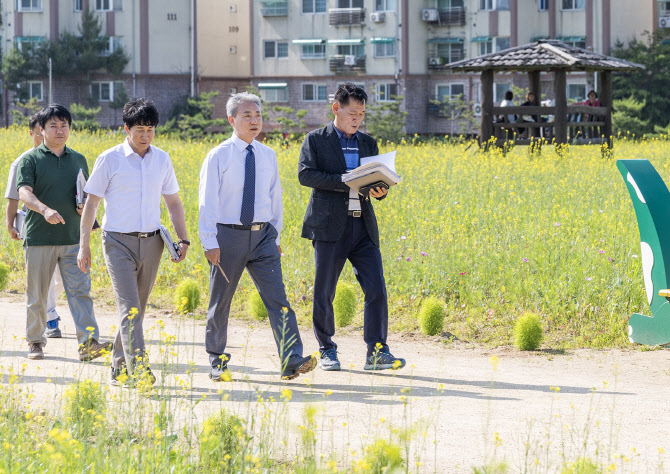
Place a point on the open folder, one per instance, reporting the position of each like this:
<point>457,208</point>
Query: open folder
<point>373,170</point>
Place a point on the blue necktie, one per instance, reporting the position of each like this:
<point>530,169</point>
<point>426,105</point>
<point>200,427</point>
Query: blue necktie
<point>247,214</point>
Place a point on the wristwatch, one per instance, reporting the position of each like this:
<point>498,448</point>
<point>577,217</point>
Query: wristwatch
<point>182,241</point>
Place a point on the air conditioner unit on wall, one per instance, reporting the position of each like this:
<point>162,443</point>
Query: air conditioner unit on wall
<point>434,61</point>
<point>664,22</point>
<point>430,14</point>
<point>378,17</point>
<point>477,110</point>
<point>350,60</point>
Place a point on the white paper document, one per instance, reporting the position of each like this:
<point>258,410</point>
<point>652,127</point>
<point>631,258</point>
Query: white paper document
<point>81,195</point>
<point>387,159</point>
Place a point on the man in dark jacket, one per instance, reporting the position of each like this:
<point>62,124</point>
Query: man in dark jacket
<point>341,225</point>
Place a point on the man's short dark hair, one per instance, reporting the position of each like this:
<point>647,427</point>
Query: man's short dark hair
<point>34,121</point>
<point>140,112</point>
<point>509,95</point>
<point>347,91</point>
<point>53,111</point>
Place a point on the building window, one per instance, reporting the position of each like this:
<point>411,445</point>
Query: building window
<point>172,17</point>
<point>314,93</point>
<point>493,5</point>
<point>314,6</point>
<point>385,5</point>
<point>113,44</point>
<point>572,4</point>
<point>351,49</point>
<point>27,41</point>
<point>30,5</point>
<point>502,43</point>
<point>275,95</point>
<point>485,47</point>
<point>499,91</point>
<point>77,5</point>
<point>35,90</point>
<point>313,51</point>
<point>102,91</point>
<point>275,49</point>
<point>543,5</point>
<point>349,3</point>
<point>108,5</point>
<point>450,52</point>
<point>446,92</point>
<point>386,92</point>
<point>574,41</point>
<point>385,50</point>
<point>576,92</point>
<point>446,4</point>
<point>664,8</point>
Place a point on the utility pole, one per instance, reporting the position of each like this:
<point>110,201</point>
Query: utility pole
<point>51,98</point>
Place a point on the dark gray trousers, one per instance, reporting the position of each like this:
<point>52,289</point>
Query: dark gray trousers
<point>132,264</point>
<point>257,252</point>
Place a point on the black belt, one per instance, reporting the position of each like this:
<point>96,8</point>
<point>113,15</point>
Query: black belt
<point>141,235</point>
<point>255,226</point>
<point>355,213</point>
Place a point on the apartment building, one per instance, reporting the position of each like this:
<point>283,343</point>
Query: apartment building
<point>155,34</point>
<point>296,52</point>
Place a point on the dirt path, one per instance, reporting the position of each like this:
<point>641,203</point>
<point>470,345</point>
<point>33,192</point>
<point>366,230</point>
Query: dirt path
<point>612,406</point>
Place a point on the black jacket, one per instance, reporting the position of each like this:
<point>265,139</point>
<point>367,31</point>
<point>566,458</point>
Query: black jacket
<point>320,168</point>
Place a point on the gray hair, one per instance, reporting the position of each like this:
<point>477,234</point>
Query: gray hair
<point>240,98</point>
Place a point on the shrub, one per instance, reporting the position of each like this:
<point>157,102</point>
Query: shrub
<point>344,304</point>
<point>187,296</point>
<point>4,275</point>
<point>222,441</point>
<point>582,466</point>
<point>257,307</point>
<point>85,408</point>
<point>383,457</point>
<point>431,317</point>
<point>528,332</point>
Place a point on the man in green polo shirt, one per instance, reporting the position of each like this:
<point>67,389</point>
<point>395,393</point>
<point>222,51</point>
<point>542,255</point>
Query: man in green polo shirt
<point>46,180</point>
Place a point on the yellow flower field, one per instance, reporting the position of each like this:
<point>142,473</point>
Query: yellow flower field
<point>492,235</point>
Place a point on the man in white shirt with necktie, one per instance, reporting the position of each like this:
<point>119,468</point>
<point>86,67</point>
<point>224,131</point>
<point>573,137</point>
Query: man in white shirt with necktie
<point>240,217</point>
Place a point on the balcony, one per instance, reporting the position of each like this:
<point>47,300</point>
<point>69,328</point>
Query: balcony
<point>452,16</point>
<point>346,16</point>
<point>346,64</point>
<point>274,8</point>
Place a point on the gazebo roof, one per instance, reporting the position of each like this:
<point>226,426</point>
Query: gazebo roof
<point>545,55</point>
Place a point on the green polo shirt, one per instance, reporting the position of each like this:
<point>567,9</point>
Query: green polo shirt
<point>53,180</point>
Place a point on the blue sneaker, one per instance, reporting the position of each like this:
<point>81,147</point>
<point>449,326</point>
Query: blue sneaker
<point>329,360</point>
<point>52,331</point>
<point>382,360</point>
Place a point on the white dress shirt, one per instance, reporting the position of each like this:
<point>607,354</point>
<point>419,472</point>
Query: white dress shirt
<point>222,186</point>
<point>11,192</point>
<point>132,187</point>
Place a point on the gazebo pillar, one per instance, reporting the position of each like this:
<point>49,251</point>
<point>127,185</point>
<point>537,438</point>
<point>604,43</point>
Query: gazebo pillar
<point>534,84</point>
<point>606,101</point>
<point>561,114</point>
<point>486,131</point>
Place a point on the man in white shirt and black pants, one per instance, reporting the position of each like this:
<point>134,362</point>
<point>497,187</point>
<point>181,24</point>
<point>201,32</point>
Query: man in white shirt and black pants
<point>132,177</point>
<point>239,222</point>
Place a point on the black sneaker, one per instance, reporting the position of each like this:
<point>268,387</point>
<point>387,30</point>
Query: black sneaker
<point>329,360</point>
<point>382,360</point>
<point>52,331</point>
<point>297,365</point>
<point>220,373</point>
<point>35,351</point>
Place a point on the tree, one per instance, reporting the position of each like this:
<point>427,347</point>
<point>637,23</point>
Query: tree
<point>83,118</point>
<point>21,65</point>
<point>459,112</point>
<point>23,111</point>
<point>649,85</point>
<point>626,117</point>
<point>385,121</point>
<point>193,120</point>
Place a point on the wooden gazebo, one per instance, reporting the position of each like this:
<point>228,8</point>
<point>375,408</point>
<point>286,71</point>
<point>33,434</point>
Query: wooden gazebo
<point>562,123</point>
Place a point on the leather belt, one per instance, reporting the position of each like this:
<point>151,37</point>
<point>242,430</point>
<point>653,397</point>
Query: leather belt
<point>141,235</point>
<point>256,226</point>
<point>355,213</point>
